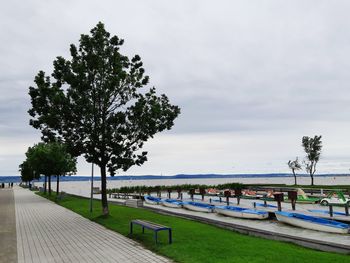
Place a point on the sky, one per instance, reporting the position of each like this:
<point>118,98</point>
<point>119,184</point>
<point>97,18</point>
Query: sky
<point>251,77</point>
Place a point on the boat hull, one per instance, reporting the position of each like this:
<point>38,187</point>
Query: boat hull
<point>172,205</point>
<point>241,214</point>
<point>198,208</point>
<point>152,200</point>
<point>339,216</point>
<point>309,225</point>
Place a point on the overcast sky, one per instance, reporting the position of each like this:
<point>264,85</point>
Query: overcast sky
<point>251,77</point>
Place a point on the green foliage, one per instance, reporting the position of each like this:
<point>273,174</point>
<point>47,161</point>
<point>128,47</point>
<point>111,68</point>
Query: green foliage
<point>96,105</point>
<point>27,172</point>
<point>196,242</point>
<point>312,148</point>
<point>183,187</point>
<point>50,159</point>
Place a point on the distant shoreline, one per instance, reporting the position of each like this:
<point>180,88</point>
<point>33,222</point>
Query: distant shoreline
<point>17,179</point>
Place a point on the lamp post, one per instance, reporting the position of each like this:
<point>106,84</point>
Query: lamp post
<point>92,186</point>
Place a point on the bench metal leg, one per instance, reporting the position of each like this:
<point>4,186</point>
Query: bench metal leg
<point>131,228</point>
<point>156,236</point>
<point>170,237</point>
<point>143,230</point>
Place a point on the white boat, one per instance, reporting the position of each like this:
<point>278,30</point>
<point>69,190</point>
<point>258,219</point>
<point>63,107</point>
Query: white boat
<point>173,203</point>
<point>312,222</point>
<point>241,212</point>
<point>340,216</point>
<point>267,207</point>
<point>199,207</point>
<point>152,200</point>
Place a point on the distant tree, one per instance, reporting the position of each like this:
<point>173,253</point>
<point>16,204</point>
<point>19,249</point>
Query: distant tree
<point>294,166</point>
<point>95,105</point>
<point>27,173</point>
<point>65,164</point>
<point>50,159</point>
<point>312,148</point>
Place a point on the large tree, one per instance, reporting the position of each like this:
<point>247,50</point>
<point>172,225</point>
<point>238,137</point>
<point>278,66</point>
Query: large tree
<point>97,106</point>
<point>312,148</point>
<point>50,159</point>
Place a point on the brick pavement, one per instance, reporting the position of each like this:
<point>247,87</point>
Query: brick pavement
<point>47,232</point>
<point>8,247</point>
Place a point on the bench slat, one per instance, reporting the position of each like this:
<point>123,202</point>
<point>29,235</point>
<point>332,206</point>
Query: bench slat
<point>149,224</point>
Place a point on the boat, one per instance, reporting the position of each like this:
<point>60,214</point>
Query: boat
<point>199,207</point>
<point>335,198</point>
<point>312,222</point>
<point>213,192</point>
<point>267,207</point>
<point>249,194</point>
<point>326,212</point>
<point>174,203</point>
<point>340,216</point>
<point>269,196</point>
<point>152,200</point>
<point>302,198</point>
<point>241,212</point>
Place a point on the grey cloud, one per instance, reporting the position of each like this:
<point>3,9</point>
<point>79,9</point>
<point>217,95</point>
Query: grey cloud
<point>238,66</point>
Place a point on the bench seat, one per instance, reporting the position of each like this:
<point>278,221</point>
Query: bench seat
<point>152,226</point>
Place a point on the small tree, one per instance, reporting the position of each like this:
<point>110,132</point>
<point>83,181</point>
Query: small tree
<point>294,166</point>
<point>27,173</point>
<point>65,164</point>
<point>97,106</point>
<point>50,159</point>
<point>312,148</point>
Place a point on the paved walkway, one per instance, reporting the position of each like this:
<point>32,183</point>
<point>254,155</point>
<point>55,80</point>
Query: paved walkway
<point>47,233</point>
<point>8,247</point>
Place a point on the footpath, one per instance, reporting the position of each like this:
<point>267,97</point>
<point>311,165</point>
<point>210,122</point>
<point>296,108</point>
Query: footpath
<point>47,232</point>
<point>8,240</point>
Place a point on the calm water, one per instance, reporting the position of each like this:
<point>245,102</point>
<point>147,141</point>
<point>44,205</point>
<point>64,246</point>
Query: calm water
<point>257,178</point>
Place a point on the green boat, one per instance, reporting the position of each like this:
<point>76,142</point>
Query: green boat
<point>303,198</point>
<point>335,198</point>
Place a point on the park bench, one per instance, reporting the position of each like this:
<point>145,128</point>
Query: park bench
<point>152,226</point>
<point>61,195</point>
<point>96,190</point>
<point>134,203</point>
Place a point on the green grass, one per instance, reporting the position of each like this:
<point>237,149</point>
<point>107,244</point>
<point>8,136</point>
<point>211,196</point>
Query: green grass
<point>197,242</point>
<point>325,186</point>
<point>340,186</point>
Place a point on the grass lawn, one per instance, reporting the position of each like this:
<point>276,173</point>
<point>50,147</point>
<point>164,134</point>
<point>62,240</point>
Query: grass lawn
<point>340,186</point>
<point>197,242</point>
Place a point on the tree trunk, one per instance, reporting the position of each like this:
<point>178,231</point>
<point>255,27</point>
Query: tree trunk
<point>50,185</point>
<point>105,210</point>
<point>58,184</point>
<point>45,184</point>
<point>295,178</point>
<point>312,179</point>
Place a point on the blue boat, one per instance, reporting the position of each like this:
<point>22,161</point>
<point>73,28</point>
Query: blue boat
<point>174,203</point>
<point>267,205</point>
<point>326,212</point>
<point>312,222</point>
<point>199,207</point>
<point>340,216</point>
<point>241,212</point>
<point>152,200</point>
